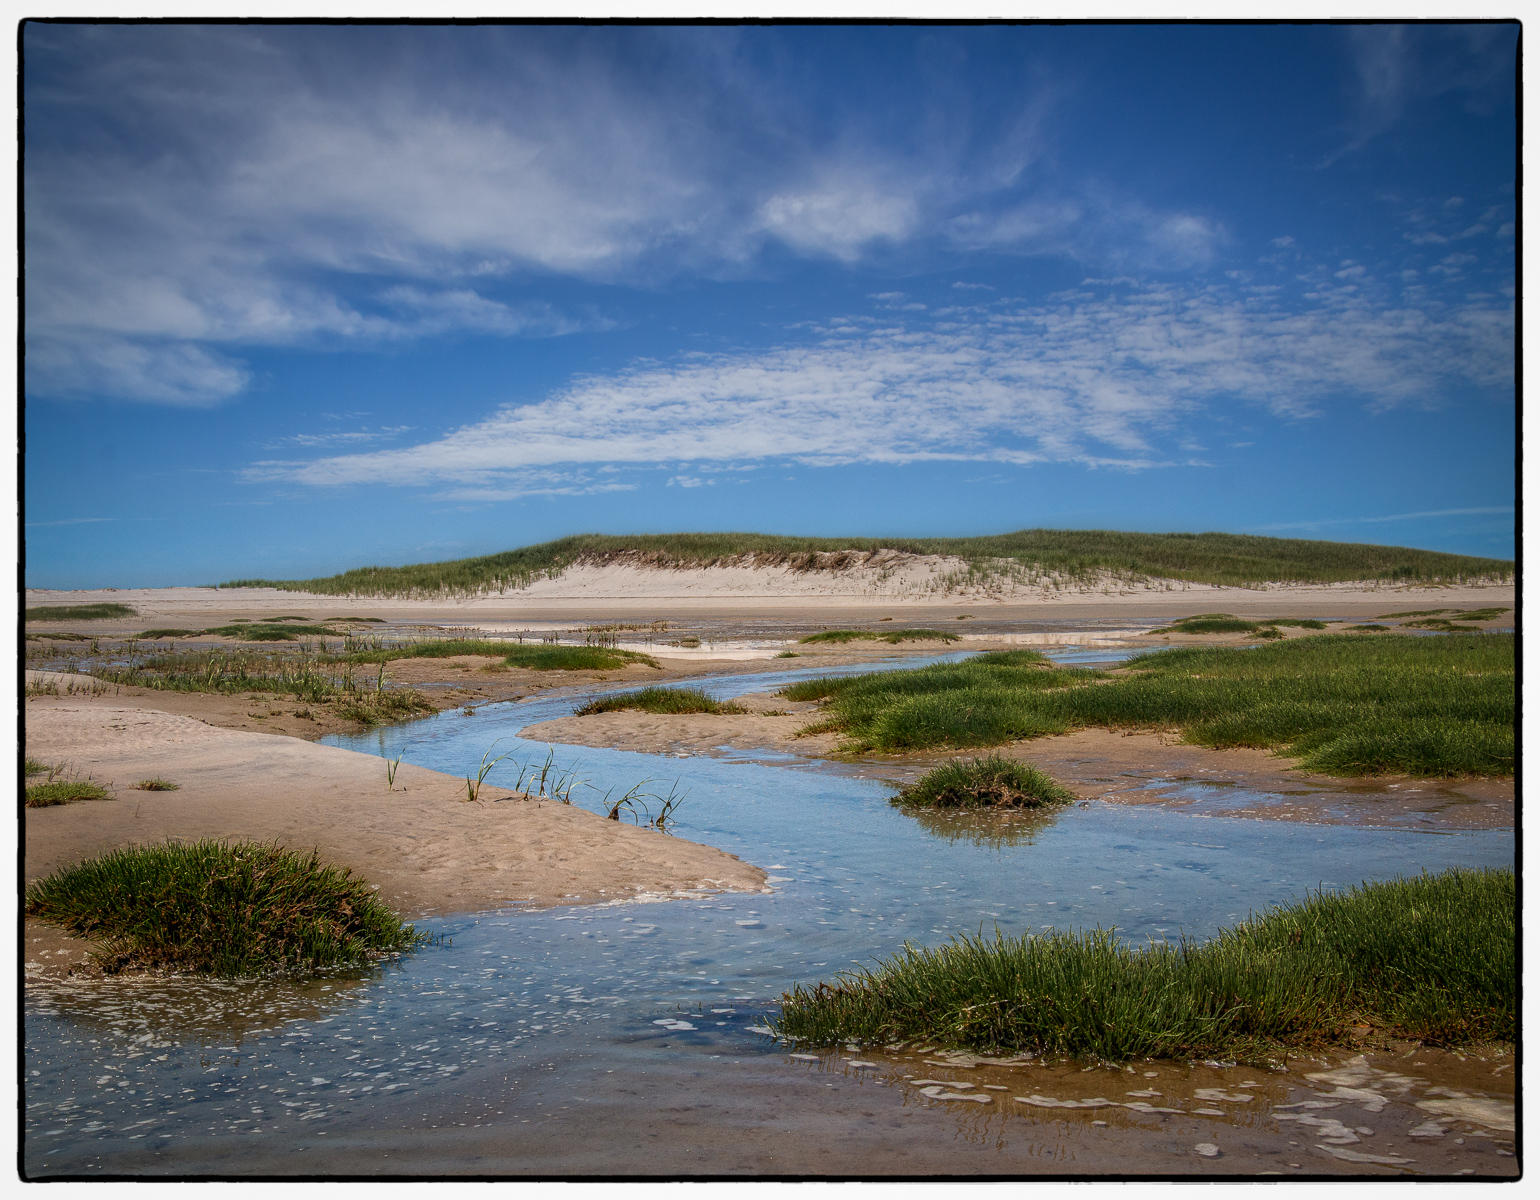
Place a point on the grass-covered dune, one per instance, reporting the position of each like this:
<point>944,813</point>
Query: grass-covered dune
<point>1217,558</point>
<point>216,908</point>
<point>1342,704</point>
<point>1431,959</point>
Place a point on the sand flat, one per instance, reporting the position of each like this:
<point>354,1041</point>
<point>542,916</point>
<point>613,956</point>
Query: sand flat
<point>427,848</point>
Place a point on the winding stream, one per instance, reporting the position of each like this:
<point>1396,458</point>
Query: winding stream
<point>628,1038</point>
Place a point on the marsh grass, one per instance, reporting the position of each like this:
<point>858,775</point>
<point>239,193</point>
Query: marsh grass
<point>575,658</point>
<point>225,909</point>
<point>306,677</point>
<point>56,791</point>
<point>1430,959</point>
<point>1075,555</point>
<point>78,612</point>
<point>990,782</point>
<point>1341,704</point>
<point>157,785</point>
<point>891,636</point>
<point>663,700</point>
<point>1370,628</point>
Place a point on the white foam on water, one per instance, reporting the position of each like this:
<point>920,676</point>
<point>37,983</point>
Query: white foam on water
<point>1038,1101</point>
<point>1207,1149</point>
<point>1389,1160</point>
<point>1494,1114</point>
<point>939,1092</point>
<point>1219,1094</point>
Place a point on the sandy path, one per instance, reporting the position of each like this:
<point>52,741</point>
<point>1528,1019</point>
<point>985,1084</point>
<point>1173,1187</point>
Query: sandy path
<point>427,848</point>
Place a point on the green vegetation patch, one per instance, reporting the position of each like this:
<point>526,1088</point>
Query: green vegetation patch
<point>157,785</point>
<point>1344,705</point>
<point>78,612</point>
<point>891,636</point>
<point>221,909</point>
<point>306,677</point>
<point>575,658</point>
<point>1293,622</point>
<point>1218,558</point>
<point>1431,959</point>
<point>660,700</point>
<point>64,791</point>
<point>991,782</point>
<point>372,650</point>
<point>1370,628</point>
<point>1212,623</point>
<point>271,631</point>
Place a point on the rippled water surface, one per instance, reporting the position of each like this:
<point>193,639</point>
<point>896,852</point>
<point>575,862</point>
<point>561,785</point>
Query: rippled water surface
<point>543,1020</point>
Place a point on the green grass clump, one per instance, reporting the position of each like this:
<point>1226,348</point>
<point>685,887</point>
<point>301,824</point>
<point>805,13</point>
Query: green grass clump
<point>33,766</point>
<point>1078,554</point>
<point>160,634</point>
<point>660,700</point>
<point>1339,703</point>
<point>365,650</point>
<point>305,677</point>
<point>1294,622</point>
<point>63,791</point>
<point>1430,959</point>
<point>992,782</point>
<point>574,658</point>
<point>78,612</point>
<point>1212,623</point>
<point>214,908</point>
<point>891,636</point>
<point>157,785</point>
<point>1370,628</point>
<point>271,631</point>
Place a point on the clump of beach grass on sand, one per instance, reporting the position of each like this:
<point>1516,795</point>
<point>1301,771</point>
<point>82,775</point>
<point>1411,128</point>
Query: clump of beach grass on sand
<point>990,782</point>
<point>224,909</point>
<point>664,700</point>
<point>891,636</point>
<point>1430,959</point>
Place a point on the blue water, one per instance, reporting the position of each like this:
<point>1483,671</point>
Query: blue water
<point>179,1075</point>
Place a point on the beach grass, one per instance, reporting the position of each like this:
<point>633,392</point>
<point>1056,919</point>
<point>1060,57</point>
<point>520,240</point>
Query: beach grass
<point>666,700</point>
<point>891,636</point>
<point>157,784</point>
<point>575,658</point>
<point>1040,555</point>
<point>1344,705</point>
<point>989,782</point>
<point>78,612</point>
<point>224,909</point>
<point>306,677</point>
<point>55,791</point>
<point>1430,959</point>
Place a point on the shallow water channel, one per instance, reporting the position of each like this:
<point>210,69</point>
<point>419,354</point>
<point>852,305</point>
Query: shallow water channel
<point>629,1039</point>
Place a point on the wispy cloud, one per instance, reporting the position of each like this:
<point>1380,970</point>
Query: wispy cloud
<point>1395,66</point>
<point>1110,375</point>
<point>193,192</point>
<point>1433,514</point>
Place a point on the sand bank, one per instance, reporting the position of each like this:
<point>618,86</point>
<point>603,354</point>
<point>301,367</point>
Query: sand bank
<point>789,599</point>
<point>426,847</point>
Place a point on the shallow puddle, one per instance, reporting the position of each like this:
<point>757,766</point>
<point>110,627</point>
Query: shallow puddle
<point>630,1039</point>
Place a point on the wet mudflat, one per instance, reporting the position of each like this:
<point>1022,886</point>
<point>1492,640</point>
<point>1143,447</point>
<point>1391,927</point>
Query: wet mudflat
<point>629,1039</point>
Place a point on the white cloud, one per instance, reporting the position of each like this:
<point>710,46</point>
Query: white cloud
<point>1099,377</point>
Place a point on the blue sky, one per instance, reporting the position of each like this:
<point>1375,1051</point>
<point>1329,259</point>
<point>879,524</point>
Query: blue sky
<point>304,298</point>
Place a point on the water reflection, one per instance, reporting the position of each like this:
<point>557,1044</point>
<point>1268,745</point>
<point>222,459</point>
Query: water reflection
<point>991,830</point>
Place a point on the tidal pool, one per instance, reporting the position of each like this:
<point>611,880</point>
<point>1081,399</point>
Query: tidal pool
<point>629,1039</point>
